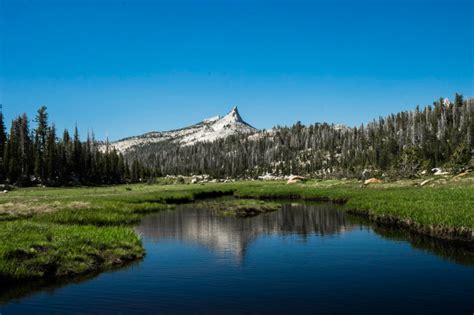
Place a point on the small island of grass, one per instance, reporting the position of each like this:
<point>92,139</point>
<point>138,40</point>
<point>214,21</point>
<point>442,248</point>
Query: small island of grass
<point>240,208</point>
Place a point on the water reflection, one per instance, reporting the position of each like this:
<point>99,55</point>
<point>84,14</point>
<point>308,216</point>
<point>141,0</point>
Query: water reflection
<point>233,235</point>
<point>363,268</point>
<point>455,251</point>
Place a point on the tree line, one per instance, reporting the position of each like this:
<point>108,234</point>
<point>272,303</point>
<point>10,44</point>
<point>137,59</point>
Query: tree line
<point>40,156</point>
<point>398,145</point>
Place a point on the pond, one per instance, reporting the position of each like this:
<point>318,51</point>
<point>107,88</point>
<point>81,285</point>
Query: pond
<point>302,259</point>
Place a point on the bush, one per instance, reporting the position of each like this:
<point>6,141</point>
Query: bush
<point>459,160</point>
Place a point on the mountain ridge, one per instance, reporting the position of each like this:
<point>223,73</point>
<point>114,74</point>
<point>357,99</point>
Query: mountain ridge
<point>208,130</point>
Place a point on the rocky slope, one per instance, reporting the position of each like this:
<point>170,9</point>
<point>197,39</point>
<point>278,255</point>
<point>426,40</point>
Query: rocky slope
<point>208,130</point>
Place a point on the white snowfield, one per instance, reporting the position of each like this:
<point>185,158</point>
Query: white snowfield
<point>208,130</point>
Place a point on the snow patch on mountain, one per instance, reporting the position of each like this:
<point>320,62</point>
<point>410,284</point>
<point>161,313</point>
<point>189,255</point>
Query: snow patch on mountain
<point>211,119</point>
<point>209,130</point>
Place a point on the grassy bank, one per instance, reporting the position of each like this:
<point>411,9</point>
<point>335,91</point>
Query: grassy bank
<point>444,210</point>
<point>34,250</point>
<point>66,232</point>
<point>59,232</point>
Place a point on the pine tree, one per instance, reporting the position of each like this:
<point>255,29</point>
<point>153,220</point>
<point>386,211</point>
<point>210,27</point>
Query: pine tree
<point>65,156</point>
<point>51,158</point>
<point>3,142</point>
<point>77,155</point>
<point>26,151</point>
<point>40,142</point>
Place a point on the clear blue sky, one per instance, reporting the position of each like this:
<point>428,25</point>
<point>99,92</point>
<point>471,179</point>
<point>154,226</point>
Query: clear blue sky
<point>128,67</point>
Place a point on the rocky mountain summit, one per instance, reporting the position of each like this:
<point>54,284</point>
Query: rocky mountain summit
<point>208,130</point>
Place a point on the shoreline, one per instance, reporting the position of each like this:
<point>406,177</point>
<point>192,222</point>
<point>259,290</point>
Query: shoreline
<point>437,232</point>
<point>47,252</point>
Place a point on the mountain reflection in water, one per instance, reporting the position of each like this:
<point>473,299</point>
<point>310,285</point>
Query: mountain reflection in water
<point>224,234</point>
<point>304,259</point>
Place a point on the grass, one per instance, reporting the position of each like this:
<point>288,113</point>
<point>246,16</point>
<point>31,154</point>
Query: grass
<point>65,232</point>
<point>445,210</point>
<point>58,232</point>
<point>240,208</point>
<point>35,249</point>
<point>105,214</point>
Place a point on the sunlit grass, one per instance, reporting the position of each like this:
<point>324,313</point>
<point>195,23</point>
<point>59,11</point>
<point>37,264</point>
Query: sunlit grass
<point>240,207</point>
<point>450,205</point>
<point>35,249</point>
<point>68,231</point>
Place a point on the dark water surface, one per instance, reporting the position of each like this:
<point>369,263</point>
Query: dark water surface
<point>304,259</point>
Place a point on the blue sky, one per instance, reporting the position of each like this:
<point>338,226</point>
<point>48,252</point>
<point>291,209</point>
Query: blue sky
<point>128,67</point>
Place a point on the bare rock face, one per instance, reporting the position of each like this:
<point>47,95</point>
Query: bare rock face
<point>208,130</point>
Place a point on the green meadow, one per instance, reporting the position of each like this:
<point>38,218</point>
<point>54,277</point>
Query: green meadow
<point>64,232</point>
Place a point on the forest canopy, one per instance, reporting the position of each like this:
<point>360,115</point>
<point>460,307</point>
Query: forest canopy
<point>401,145</point>
<point>39,156</point>
<point>398,145</point>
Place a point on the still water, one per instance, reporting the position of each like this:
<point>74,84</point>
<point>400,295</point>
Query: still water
<point>303,259</point>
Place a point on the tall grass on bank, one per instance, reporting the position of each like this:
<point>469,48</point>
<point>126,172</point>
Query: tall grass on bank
<point>445,211</point>
<point>62,232</point>
<point>54,232</point>
<point>449,206</point>
<point>36,249</point>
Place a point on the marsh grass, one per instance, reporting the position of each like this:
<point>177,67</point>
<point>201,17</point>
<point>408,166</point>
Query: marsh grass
<point>240,208</point>
<point>105,213</point>
<point>37,249</point>
<point>443,210</point>
<point>61,232</point>
<point>55,232</point>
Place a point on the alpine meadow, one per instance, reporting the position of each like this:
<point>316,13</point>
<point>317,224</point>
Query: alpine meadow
<point>334,173</point>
